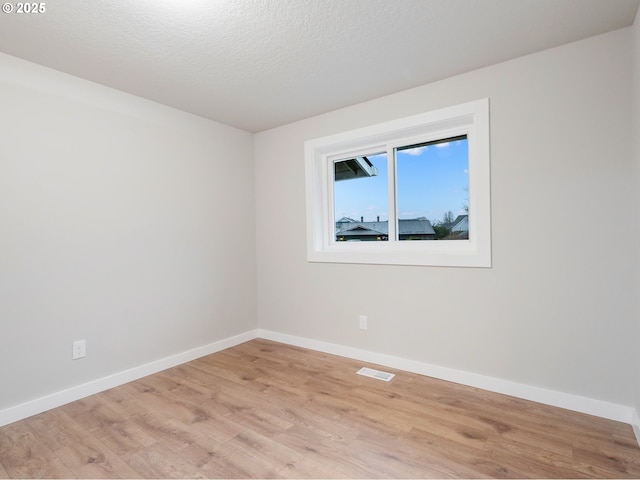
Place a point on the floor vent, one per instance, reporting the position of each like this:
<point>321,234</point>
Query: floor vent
<point>370,372</point>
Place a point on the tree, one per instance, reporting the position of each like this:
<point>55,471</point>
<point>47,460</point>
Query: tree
<point>448,218</point>
<point>441,231</point>
<point>443,228</point>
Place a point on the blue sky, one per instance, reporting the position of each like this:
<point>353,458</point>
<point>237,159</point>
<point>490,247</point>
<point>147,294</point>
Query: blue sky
<point>431,180</point>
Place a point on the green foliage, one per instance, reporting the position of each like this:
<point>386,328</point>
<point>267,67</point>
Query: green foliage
<point>441,231</point>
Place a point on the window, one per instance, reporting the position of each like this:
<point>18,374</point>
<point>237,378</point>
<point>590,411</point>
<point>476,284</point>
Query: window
<point>413,191</point>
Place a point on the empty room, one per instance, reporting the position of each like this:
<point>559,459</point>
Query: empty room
<point>320,239</point>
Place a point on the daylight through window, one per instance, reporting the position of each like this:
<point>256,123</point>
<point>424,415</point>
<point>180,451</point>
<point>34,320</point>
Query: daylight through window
<point>431,201</point>
<point>415,191</point>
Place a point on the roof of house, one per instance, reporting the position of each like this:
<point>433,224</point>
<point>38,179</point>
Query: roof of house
<point>345,220</point>
<point>356,167</point>
<point>415,226</point>
<point>461,224</point>
<point>412,226</point>
<point>362,229</point>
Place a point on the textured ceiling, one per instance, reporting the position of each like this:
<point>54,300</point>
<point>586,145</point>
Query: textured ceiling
<point>257,64</point>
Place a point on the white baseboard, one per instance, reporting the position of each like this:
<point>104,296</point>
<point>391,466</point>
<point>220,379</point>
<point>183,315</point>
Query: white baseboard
<point>635,423</point>
<point>39,405</point>
<point>576,403</point>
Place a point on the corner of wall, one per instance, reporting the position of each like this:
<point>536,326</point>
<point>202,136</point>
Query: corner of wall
<point>635,423</point>
<point>636,159</point>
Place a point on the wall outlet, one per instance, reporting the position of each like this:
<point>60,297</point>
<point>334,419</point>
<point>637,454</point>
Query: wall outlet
<point>363,322</point>
<point>79,349</point>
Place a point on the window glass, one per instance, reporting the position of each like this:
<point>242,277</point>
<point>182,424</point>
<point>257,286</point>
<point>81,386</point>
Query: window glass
<point>432,192</point>
<point>360,198</point>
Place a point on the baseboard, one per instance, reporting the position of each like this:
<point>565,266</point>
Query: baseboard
<point>39,405</point>
<point>576,403</point>
<point>635,423</point>
<point>559,399</point>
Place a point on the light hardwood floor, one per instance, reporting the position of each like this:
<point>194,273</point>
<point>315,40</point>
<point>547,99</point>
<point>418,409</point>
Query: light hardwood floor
<point>268,410</point>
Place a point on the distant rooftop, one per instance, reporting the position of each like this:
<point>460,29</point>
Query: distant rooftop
<point>349,229</point>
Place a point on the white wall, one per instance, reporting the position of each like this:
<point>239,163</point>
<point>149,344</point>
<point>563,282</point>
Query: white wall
<point>553,312</point>
<point>122,222</point>
<point>636,154</point>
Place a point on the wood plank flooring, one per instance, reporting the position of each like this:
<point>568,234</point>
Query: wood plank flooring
<point>268,410</point>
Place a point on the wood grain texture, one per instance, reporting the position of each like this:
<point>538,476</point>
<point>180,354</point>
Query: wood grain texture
<point>269,410</point>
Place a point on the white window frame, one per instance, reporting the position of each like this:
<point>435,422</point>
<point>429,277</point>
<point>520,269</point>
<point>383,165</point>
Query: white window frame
<point>470,119</point>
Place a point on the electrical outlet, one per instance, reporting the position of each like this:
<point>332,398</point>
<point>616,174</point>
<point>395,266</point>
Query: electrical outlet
<point>363,322</point>
<point>79,349</point>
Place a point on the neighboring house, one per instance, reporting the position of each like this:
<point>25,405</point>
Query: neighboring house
<point>348,229</point>
<point>461,224</point>
<point>459,229</point>
<point>357,167</point>
<point>340,224</point>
